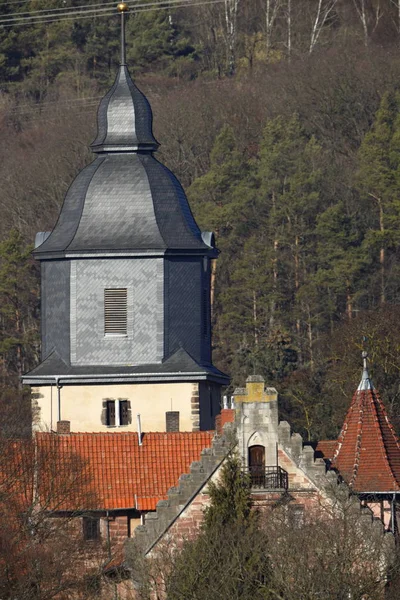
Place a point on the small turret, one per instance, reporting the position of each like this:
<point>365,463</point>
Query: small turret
<point>367,453</point>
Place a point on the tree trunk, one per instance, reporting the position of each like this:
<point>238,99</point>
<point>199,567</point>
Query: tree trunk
<point>362,13</point>
<point>382,254</point>
<point>274,270</point>
<point>289,29</point>
<point>231,8</point>
<point>324,10</point>
<point>310,339</point>
<point>271,11</point>
<point>349,302</point>
<point>212,284</point>
<point>297,280</point>
<point>255,318</point>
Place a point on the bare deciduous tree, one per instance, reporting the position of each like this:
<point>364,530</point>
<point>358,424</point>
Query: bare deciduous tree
<point>369,15</point>
<point>231,13</point>
<point>272,8</point>
<point>324,14</point>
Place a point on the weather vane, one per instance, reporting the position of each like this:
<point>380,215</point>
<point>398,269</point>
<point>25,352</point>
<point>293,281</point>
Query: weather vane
<point>123,8</point>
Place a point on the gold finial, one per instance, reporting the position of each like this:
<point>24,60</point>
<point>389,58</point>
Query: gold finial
<point>122,7</point>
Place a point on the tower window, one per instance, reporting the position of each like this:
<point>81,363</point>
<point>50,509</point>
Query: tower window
<point>116,311</point>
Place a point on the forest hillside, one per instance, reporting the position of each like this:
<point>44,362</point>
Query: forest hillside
<point>281,118</point>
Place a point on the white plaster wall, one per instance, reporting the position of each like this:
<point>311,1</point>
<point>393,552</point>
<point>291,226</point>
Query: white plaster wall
<point>83,405</point>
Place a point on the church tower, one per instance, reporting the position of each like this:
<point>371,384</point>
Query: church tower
<point>125,296</point>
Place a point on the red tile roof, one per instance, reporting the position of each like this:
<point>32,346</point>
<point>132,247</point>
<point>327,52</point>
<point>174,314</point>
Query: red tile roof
<point>367,453</point>
<point>326,448</point>
<point>111,471</point>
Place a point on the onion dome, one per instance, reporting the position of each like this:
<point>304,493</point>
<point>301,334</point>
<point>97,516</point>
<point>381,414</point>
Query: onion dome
<point>125,201</point>
<point>124,118</point>
<point>367,453</point>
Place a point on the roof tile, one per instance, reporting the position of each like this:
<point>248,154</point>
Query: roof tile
<point>367,452</point>
<point>112,471</point>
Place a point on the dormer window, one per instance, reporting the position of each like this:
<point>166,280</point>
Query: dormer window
<point>116,311</point>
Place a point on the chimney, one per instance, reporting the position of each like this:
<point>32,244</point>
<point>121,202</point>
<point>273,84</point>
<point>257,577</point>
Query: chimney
<point>63,427</point>
<point>227,415</point>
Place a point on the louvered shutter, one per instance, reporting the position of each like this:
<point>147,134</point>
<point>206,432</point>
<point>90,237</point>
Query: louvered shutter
<point>116,311</point>
<point>111,413</point>
<point>123,412</point>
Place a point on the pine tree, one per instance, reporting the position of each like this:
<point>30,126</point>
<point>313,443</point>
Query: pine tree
<point>289,181</point>
<point>230,498</point>
<point>157,41</point>
<point>18,307</point>
<point>378,181</point>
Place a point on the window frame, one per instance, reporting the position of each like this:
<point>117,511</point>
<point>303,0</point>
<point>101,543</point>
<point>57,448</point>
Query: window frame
<point>91,529</point>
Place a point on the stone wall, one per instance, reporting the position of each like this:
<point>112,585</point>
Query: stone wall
<point>182,511</point>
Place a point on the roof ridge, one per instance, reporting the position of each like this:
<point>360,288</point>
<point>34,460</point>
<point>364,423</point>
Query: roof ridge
<point>343,431</point>
<point>358,443</point>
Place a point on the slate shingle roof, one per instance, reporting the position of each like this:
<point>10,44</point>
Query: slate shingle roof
<point>180,366</point>
<point>117,472</point>
<point>367,453</point>
<point>125,201</point>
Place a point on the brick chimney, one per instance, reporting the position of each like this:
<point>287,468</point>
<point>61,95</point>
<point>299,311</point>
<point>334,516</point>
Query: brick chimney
<point>63,427</point>
<point>227,415</point>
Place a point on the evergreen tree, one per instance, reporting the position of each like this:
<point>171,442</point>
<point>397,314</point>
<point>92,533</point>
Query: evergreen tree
<point>289,181</point>
<point>18,308</point>
<point>341,262</point>
<point>156,40</point>
<point>378,181</point>
<point>228,560</point>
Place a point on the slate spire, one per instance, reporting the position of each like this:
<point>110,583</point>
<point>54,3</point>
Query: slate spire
<point>122,9</point>
<point>124,117</point>
<point>365,383</point>
<point>125,201</point>
<point>126,231</point>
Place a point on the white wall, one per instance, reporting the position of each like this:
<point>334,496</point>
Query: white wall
<point>83,405</point>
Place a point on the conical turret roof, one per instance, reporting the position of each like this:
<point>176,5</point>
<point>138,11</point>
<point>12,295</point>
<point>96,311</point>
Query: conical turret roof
<point>367,453</point>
